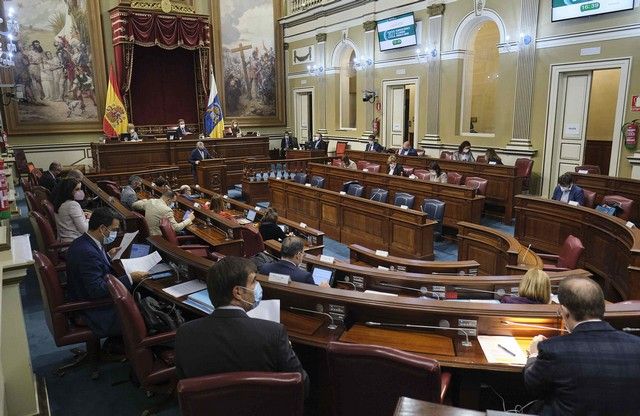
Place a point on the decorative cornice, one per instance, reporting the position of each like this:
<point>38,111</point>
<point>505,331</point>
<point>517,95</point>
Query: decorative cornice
<point>436,9</point>
<point>321,37</point>
<point>164,6</point>
<point>369,25</point>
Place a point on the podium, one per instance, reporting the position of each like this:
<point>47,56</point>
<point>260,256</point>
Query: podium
<point>306,153</point>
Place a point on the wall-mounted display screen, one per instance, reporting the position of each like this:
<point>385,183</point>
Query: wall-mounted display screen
<point>397,32</point>
<point>571,9</point>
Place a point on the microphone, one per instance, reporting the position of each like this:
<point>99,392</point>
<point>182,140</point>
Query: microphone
<point>524,256</point>
<point>460,273</point>
<point>511,323</point>
<point>627,329</point>
<point>499,292</point>
<point>331,326</point>
<point>423,290</point>
<point>347,283</point>
<point>465,331</point>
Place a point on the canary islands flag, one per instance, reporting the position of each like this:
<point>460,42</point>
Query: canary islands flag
<point>114,122</point>
<point>213,119</point>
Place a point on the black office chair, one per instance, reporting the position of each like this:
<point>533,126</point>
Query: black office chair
<point>403,198</point>
<point>317,181</point>
<point>355,189</point>
<point>347,184</point>
<point>434,209</point>
<point>300,178</point>
<point>379,195</point>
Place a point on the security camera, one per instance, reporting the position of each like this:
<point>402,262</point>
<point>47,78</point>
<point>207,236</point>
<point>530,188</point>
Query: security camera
<point>368,96</point>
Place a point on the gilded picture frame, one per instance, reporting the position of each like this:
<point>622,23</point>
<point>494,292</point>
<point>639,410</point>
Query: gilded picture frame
<point>65,93</point>
<point>248,62</point>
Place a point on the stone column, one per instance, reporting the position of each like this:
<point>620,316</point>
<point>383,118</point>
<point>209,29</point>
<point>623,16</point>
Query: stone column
<point>433,47</point>
<point>320,109</point>
<point>521,137</point>
<point>369,74</point>
<point>287,86</point>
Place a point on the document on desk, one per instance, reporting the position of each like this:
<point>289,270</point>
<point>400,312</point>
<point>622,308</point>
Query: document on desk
<point>186,288</point>
<point>125,243</point>
<point>502,350</point>
<point>21,249</point>
<point>267,309</point>
<point>140,264</point>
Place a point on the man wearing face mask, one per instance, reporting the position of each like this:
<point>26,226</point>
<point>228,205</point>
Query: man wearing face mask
<point>288,142</point>
<point>128,194</point>
<point>182,130</point>
<point>229,340</point>
<point>49,179</point>
<point>318,143</point>
<point>292,253</point>
<point>373,145</point>
<point>198,154</point>
<point>157,209</point>
<point>88,264</point>
<point>595,369</point>
<point>566,191</point>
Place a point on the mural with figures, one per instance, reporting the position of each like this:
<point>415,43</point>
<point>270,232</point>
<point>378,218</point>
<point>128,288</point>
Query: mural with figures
<point>248,58</point>
<point>54,62</point>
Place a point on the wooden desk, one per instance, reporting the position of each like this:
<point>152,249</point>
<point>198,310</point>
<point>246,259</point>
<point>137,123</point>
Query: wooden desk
<point>351,220</point>
<point>604,185</point>
<point>131,156</point>
<point>131,222</point>
<point>170,173</point>
<point>462,203</point>
<point>497,252</point>
<point>305,153</point>
<point>412,407</point>
<point>612,250</point>
<point>503,182</point>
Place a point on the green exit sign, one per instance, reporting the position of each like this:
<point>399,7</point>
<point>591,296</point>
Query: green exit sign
<point>589,7</point>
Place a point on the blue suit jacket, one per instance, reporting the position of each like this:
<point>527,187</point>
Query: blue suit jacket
<point>575,194</point>
<point>285,267</point>
<point>195,155</point>
<point>87,268</point>
<point>593,371</point>
<point>408,152</point>
<point>375,147</point>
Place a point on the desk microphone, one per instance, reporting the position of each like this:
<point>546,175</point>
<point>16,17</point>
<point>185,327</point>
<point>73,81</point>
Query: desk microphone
<point>499,292</point>
<point>511,323</point>
<point>465,331</point>
<point>347,283</point>
<point>331,326</point>
<point>423,290</point>
<point>460,273</point>
<point>524,256</point>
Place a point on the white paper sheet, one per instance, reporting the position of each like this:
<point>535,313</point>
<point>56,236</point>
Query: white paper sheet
<point>186,288</point>
<point>267,309</point>
<point>140,264</point>
<point>126,242</point>
<point>21,248</point>
<point>496,349</point>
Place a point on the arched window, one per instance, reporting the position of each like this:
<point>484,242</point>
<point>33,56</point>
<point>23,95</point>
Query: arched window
<point>348,92</point>
<point>480,80</point>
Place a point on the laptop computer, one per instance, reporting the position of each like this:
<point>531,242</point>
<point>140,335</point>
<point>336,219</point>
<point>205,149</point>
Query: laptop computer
<point>251,216</point>
<point>322,275</point>
<point>139,250</point>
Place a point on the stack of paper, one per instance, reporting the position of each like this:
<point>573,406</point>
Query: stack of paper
<point>141,264</point>
<point>185,288</point>
<point>267,309</point>
<point>502,350</point>
<point>200,300</point>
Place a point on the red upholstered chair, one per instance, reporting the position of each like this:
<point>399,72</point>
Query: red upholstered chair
<point>21,162</point>
<point>481,159</point>
<point>446,155</point>
<point>65,324</point>
<point>50,214</point>
<point>113,190</point>
<point>47,241</point>
<point>625,205</point>
<point>252,241</point>
<point>141,226</point>
<point>390,374</point>
<point>594,169</point>
<point>186,242</point>
<point>41,192</point>
<point>589,198</point>
<point>454,178</point>
<point>152,362</point>
<point>34,176</point>
<point>26,185</point>
<point>422,174</point>
<point>408,171</point>
<point>102,184</point>
<point>479,184</point>
<point>373,167</point>
<point>341,147</point>
<point>33,203</point>
<point>247,393</point>
<point>567,258</point>
<point>523,168</point>
<point>361,164</point>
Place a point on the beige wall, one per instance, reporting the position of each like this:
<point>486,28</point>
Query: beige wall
<point>602,104</point>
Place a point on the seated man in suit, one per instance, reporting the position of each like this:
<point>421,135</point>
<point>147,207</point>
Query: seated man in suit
<point>407,149</point>
<point>87,267</point>
<point>157,209</point>
<point>228,340</point>
<point>288,142</point>
<point>49,179</point>
<point>128,194</point>
<point>593,370</point>
<point>394,168</point>
<point>291,255</point>
<point>566,191</point>
<point>182,130</point>
<point>198,154</point>
<point>318,143</point>
<point>373,145</point>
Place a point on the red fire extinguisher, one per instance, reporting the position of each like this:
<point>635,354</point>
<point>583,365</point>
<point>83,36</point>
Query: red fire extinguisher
<point>630,132</point>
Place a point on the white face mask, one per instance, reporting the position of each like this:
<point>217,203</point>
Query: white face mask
<point>132,131</point>
<point>182,125</point>
<point>565,189</point>
<point>465,150</point>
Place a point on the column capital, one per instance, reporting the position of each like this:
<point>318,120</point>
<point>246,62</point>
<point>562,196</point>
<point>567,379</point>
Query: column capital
<point>321,37</point>
<point>369,25</point>
<point>436,9</point>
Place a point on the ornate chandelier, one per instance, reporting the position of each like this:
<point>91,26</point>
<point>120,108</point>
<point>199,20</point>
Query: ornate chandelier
<point>7,45</point>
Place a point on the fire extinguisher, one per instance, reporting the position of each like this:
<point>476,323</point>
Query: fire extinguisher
<point>630,132</point>
<point>375,126</point>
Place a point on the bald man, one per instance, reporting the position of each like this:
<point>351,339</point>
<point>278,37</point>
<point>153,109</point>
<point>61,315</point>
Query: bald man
<point>198,154</point>
<point>595,369</point>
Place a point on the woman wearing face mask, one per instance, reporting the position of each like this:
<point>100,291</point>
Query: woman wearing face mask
<point>182,130</point>
<point>133,136</point>
<point>464,152</point>
<point>71,221</point>
<point>436,174</point>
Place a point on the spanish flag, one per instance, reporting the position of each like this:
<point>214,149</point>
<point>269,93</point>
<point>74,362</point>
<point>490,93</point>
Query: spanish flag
<point>114,122</point>
<point>213,119</point>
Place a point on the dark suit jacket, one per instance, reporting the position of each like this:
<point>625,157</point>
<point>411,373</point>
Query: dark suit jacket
<point>229,341</point>
<point>285,267</point>
<point>397,171</point>
<point>48,181</point>
<point>271,231</point>
<point>593,371</point>
<point>320,144</point>
<point>408,152</point>
<point>293,143</point>
<point>575,194</point>
<point>179,134</point>
<point>87,268</point>
<point>195,155</point>
<point>375,147</point>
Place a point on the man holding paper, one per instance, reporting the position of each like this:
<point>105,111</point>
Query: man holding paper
<point>88,265</point>
<point>157,209</point>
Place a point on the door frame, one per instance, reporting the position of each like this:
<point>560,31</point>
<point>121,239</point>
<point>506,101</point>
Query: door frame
<point>386,100</point>
<point>295,92</point>
<point>624,65</point>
